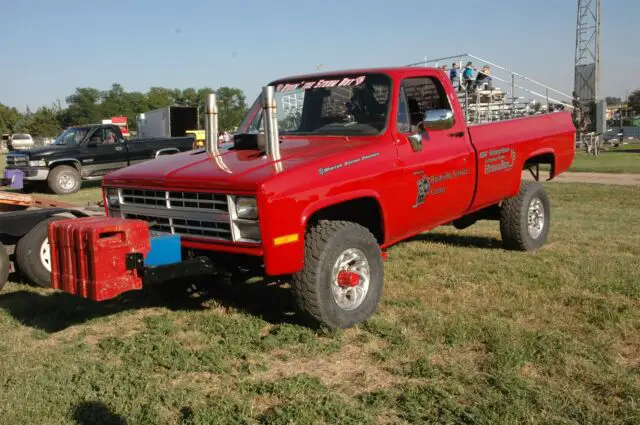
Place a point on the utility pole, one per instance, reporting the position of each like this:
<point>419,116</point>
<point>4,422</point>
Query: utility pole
<point>587,55</point>
<point>586,82</point>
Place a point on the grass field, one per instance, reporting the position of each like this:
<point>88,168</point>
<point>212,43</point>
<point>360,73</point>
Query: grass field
<point>623,159</point>
<point>467,333</point>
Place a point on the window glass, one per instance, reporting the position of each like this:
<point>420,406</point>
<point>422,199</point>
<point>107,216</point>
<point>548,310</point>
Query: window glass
<point>404,124</point>
<point>110,136</point>
<point>424,94</point>
<point>328,105</point>
<point>98,136</point>
<point>71,136</point>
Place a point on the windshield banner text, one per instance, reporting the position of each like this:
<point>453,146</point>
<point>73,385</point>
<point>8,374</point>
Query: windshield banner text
<point>316,84</point>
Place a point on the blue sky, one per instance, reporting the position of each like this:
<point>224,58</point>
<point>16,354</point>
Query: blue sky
<point>48,48</point>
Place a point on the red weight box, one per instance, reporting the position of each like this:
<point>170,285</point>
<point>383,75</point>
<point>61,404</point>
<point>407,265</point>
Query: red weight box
<point>88,255</point>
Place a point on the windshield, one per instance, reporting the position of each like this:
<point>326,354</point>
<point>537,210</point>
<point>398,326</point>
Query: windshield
<point>21,137</point>
<point>334,105</point>
<point>71,136</point>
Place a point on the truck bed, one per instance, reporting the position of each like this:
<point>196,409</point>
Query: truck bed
<point>502,148</point>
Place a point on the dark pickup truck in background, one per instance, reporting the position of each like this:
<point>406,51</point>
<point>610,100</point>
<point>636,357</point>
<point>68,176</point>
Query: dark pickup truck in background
<point>86,152</point>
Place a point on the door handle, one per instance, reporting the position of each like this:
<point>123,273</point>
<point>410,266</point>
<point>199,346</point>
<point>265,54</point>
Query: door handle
<point>457,134</point>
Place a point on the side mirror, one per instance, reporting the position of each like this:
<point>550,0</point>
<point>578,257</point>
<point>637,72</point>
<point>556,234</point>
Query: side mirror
<point>437,119</point>
<point>434,119</point>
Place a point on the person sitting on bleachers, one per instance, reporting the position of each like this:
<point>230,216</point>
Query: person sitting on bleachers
<point>454,76</point>
<point>467,76</point>
<point>484,77</point>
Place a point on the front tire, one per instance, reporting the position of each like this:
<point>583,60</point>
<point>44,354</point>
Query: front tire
<point>64,180</point>
<point>33,253</point>
<point>525,218</point>
<point>341,282</point>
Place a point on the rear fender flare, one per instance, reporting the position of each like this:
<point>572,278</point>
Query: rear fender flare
<point>540,152</point>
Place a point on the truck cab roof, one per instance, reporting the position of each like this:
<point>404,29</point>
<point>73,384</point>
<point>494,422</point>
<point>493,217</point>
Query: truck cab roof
<point>393,72</point>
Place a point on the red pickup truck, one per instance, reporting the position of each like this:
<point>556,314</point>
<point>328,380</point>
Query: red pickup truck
<point>353,162</point>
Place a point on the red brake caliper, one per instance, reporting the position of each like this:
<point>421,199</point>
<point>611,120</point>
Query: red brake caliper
<point>347,279</point>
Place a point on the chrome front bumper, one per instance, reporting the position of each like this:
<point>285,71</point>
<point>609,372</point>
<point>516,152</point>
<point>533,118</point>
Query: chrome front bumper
<point>32,174</point>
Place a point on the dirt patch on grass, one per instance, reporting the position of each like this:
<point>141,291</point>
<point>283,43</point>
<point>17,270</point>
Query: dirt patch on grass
<point>262,403</point>
<point>351,369</point>
<point>529,371</point>
<point>629,356</point>
<point>205,382</point>
<point>193,340</point>
<point>121,327</point>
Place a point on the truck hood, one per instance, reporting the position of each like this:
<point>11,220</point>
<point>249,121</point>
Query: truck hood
<point>45,151</point>
<point>238,170</point>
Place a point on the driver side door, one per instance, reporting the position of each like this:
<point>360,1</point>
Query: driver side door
<point>438,164</point>
<point>103,152</point>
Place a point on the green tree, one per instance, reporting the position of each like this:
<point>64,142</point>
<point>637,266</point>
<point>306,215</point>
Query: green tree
<point>189,97</point>
<point>44,123</point>
<point>611,100</point>
<point>8,118</point>
<point>634,101</point>
<point>231,107</point>
<point>114,101</point>
<point>84,107</point>
<point>88,105</point>
<point>160,97</point>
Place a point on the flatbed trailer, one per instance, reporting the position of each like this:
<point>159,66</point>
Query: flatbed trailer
<point>24,241</point>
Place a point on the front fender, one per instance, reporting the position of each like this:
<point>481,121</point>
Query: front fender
<point>338,199</point>
<point>283,238</point>
<point>65,161</point>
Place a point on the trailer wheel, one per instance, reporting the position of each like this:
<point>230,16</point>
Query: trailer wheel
<point>525,218</point>
<point>341,282</point>
<point>4,266</point>
<point>32,187</point>
<point>33,253</point>
<point>64,180</point>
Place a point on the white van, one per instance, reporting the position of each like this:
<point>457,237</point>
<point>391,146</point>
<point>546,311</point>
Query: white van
<point>20,141</point>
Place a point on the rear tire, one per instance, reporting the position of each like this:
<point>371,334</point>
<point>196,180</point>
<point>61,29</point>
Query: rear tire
<point>348,250</point>
<point>4,266</point>
<point>33,253</point>
<point>64,180</point>
<point>525,218</point>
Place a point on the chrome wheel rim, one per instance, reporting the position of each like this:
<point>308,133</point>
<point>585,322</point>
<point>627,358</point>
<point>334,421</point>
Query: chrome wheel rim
<point>45,254</point>
<point>66,181</point>
<point>352,264</point>
<point>535,218</point>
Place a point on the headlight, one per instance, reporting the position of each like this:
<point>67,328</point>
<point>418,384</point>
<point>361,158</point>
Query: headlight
<point>113,197</point>
<point>246,208</point>
<point>38,163</point>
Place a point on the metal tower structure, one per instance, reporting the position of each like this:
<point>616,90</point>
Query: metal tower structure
<point>587,63</point>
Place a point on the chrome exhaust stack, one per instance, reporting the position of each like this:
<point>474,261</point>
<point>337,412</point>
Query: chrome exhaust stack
<point>211,125</point>
<point>270,117</point>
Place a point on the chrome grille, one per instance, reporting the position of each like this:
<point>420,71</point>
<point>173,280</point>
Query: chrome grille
<point>176,200</point>
<point>211,229</point>
<point>17,160</point>
<point>204,215</point>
